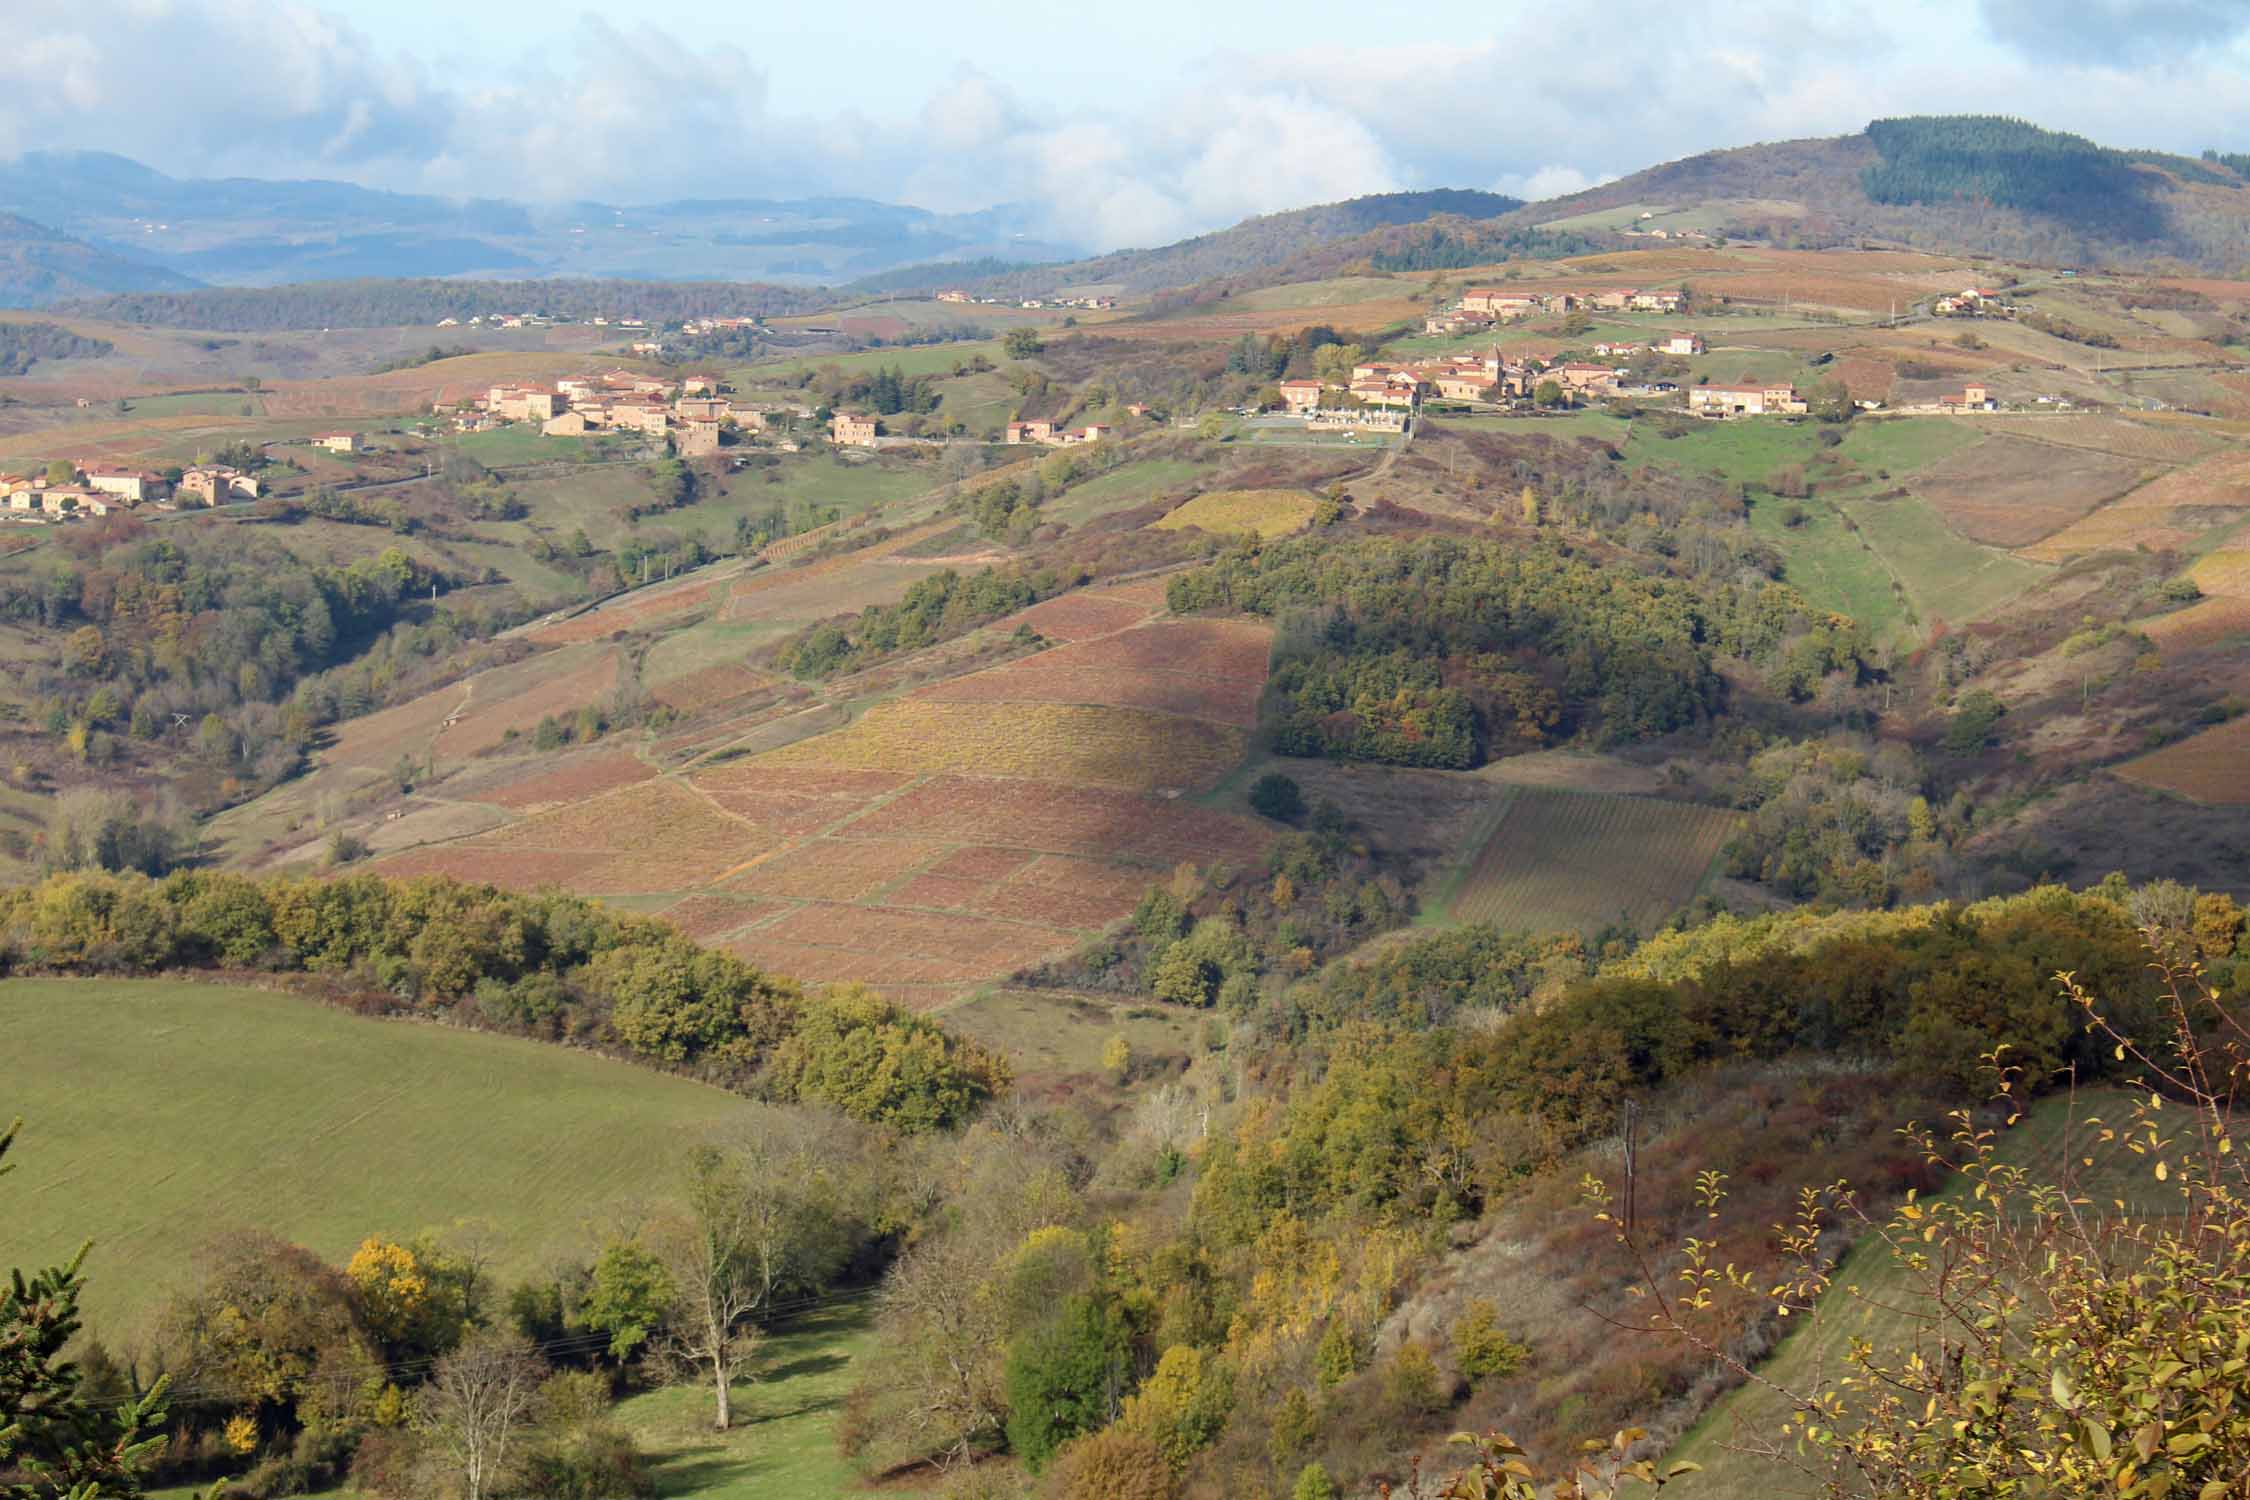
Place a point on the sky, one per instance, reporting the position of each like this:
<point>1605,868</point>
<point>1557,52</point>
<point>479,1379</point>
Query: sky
<point>1131,124</point>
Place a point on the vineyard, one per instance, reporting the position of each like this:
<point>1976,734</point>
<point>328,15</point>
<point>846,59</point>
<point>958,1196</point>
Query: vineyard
<point>2009,492</point>
<point>1558,860</point>
<point>587,776</point>
<point>1201,669</point>
<point>1073,743</point>
<point>2168,513</point>
<point>1079,616</point>
<point>2213,766</point>
<point>1259,513</point>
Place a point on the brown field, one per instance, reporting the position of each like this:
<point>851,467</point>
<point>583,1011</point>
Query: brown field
<point>708,687</point>
<point>2167,513</point>
<point>511,869</point>
<point>1154,592</point>
<point>2204,623</point>
<point>879,946</point>
<point>1866,377</point>
<point>639,608</point>
<point>1086,821</point>
<point>1080,616</point>
<point>1080,745</point>
<point>1215,327</point>
<point>834,869</point>
<point>2224,571</point>
<point>379,739</point>
<point>652,836</point>
<point>704,917</point>
<point>480,724</point>
<point>1061,891</point>
<point>2155,443</point>
<point>791,802</point>
<point>587,776</point>
<point>1202,669</point>
<point>841,584</point>
<point>2007,492</point>
<point>2213,766</point>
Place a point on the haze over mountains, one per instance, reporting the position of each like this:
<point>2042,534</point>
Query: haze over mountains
<point>85,224</point>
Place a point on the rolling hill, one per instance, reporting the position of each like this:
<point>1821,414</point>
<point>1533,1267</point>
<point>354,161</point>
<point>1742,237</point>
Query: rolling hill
<point>1965,184</point>
<point>241,231</point>
<point>39,265</point>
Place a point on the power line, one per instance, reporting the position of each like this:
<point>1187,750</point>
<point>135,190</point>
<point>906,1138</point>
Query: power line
<point>584,1343</point>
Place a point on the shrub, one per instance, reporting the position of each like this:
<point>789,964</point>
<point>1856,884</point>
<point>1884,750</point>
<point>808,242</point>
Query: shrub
<point>1410,1383</point>
<point>1481,1349</point>
<point>1276,796</point>
<point>1313,1483</point>
<point>1113,1465</point>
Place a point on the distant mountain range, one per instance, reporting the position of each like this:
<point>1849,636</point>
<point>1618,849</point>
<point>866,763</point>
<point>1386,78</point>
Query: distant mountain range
<point>248,232</point>
<point>1960,184</point>
<point>39,265</point>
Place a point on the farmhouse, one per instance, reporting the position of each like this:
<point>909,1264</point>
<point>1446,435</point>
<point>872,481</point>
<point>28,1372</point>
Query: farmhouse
<point>130,485</point>
<point>1300,395</point>
<point>1500,302</point>
<point>1031,432</point>
<point>953,294</point>
<point>629,415</point>
<point>1682,343</point>
<point>216,484</point>
<point>1744,400</point>
<point>699,438</point>
<point>1459,386</point>
<point>346,442</point>
<point>1972,398</point>
<point>1585,379</point>
<point>852,430</point>
<point>702,408</point>
<point>565,424</point>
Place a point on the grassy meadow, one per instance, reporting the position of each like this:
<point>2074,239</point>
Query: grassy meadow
<point>160,1112</point>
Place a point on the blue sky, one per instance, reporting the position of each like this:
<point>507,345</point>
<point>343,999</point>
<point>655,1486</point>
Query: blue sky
<point>1127,124</point>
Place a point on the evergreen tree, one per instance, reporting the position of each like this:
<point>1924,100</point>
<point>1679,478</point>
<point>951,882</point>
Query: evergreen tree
<point>57,1445</point>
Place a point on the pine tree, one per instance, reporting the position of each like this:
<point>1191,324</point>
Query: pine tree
<point>58,1446</point>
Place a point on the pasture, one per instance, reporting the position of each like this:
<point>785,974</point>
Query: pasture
<point>1260,513</point>
<point>1547,859</point>
<point>158,1113</point>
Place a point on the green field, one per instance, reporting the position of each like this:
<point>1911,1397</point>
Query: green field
<point>1899,446</point>
<point>197,403</point>
<point>1831,567</point>
<point>159,1112</point>
<point>1946,577</point>
<point>1122,488</point>
<point>783,1442</point>
<point>520,443</point>
<point>1882,1313</point>
<point>1543,859</point>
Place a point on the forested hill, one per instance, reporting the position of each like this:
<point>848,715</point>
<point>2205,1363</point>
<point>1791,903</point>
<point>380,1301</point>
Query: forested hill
<point>39,265</point>
<point>1973,184</point>
<point>1270,240</point>
<point>390,303</point>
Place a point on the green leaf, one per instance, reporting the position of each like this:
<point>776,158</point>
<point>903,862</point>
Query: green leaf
<point>2097,1439</point>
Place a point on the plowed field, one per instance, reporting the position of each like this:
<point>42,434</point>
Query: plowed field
<point>1080,616</point>
<point>2213,766</point>
<point>2169,512</point>
<point>1082,746</point>
<point>1559,860</point>
<point>2008,492</point>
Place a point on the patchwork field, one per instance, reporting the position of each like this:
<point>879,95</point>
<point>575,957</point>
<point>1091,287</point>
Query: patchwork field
<point>1557,860</point>
<point>2168,512</point>
<point>2010,491</point>
<point>2213,766</point>
<point>160,1113</point>
<point>1259,513</point>
<point>1072,743</point>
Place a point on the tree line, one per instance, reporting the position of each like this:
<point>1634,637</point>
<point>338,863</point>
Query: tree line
<point>383,302</point>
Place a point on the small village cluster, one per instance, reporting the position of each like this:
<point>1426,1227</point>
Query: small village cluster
<point>540,320</point>
<point>690,413</point>
<point>1974,302</point>
<point>1090,304</point>
<point>99,489</point>
<point>1482,307</point>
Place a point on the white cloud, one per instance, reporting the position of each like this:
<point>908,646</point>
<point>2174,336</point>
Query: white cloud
<point>634,113</point>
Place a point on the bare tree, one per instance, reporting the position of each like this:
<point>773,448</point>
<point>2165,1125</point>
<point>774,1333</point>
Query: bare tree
<point>756,1226</point>
<point>477,1400</point>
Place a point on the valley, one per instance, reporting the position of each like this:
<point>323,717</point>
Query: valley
<point>1220,861</point>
